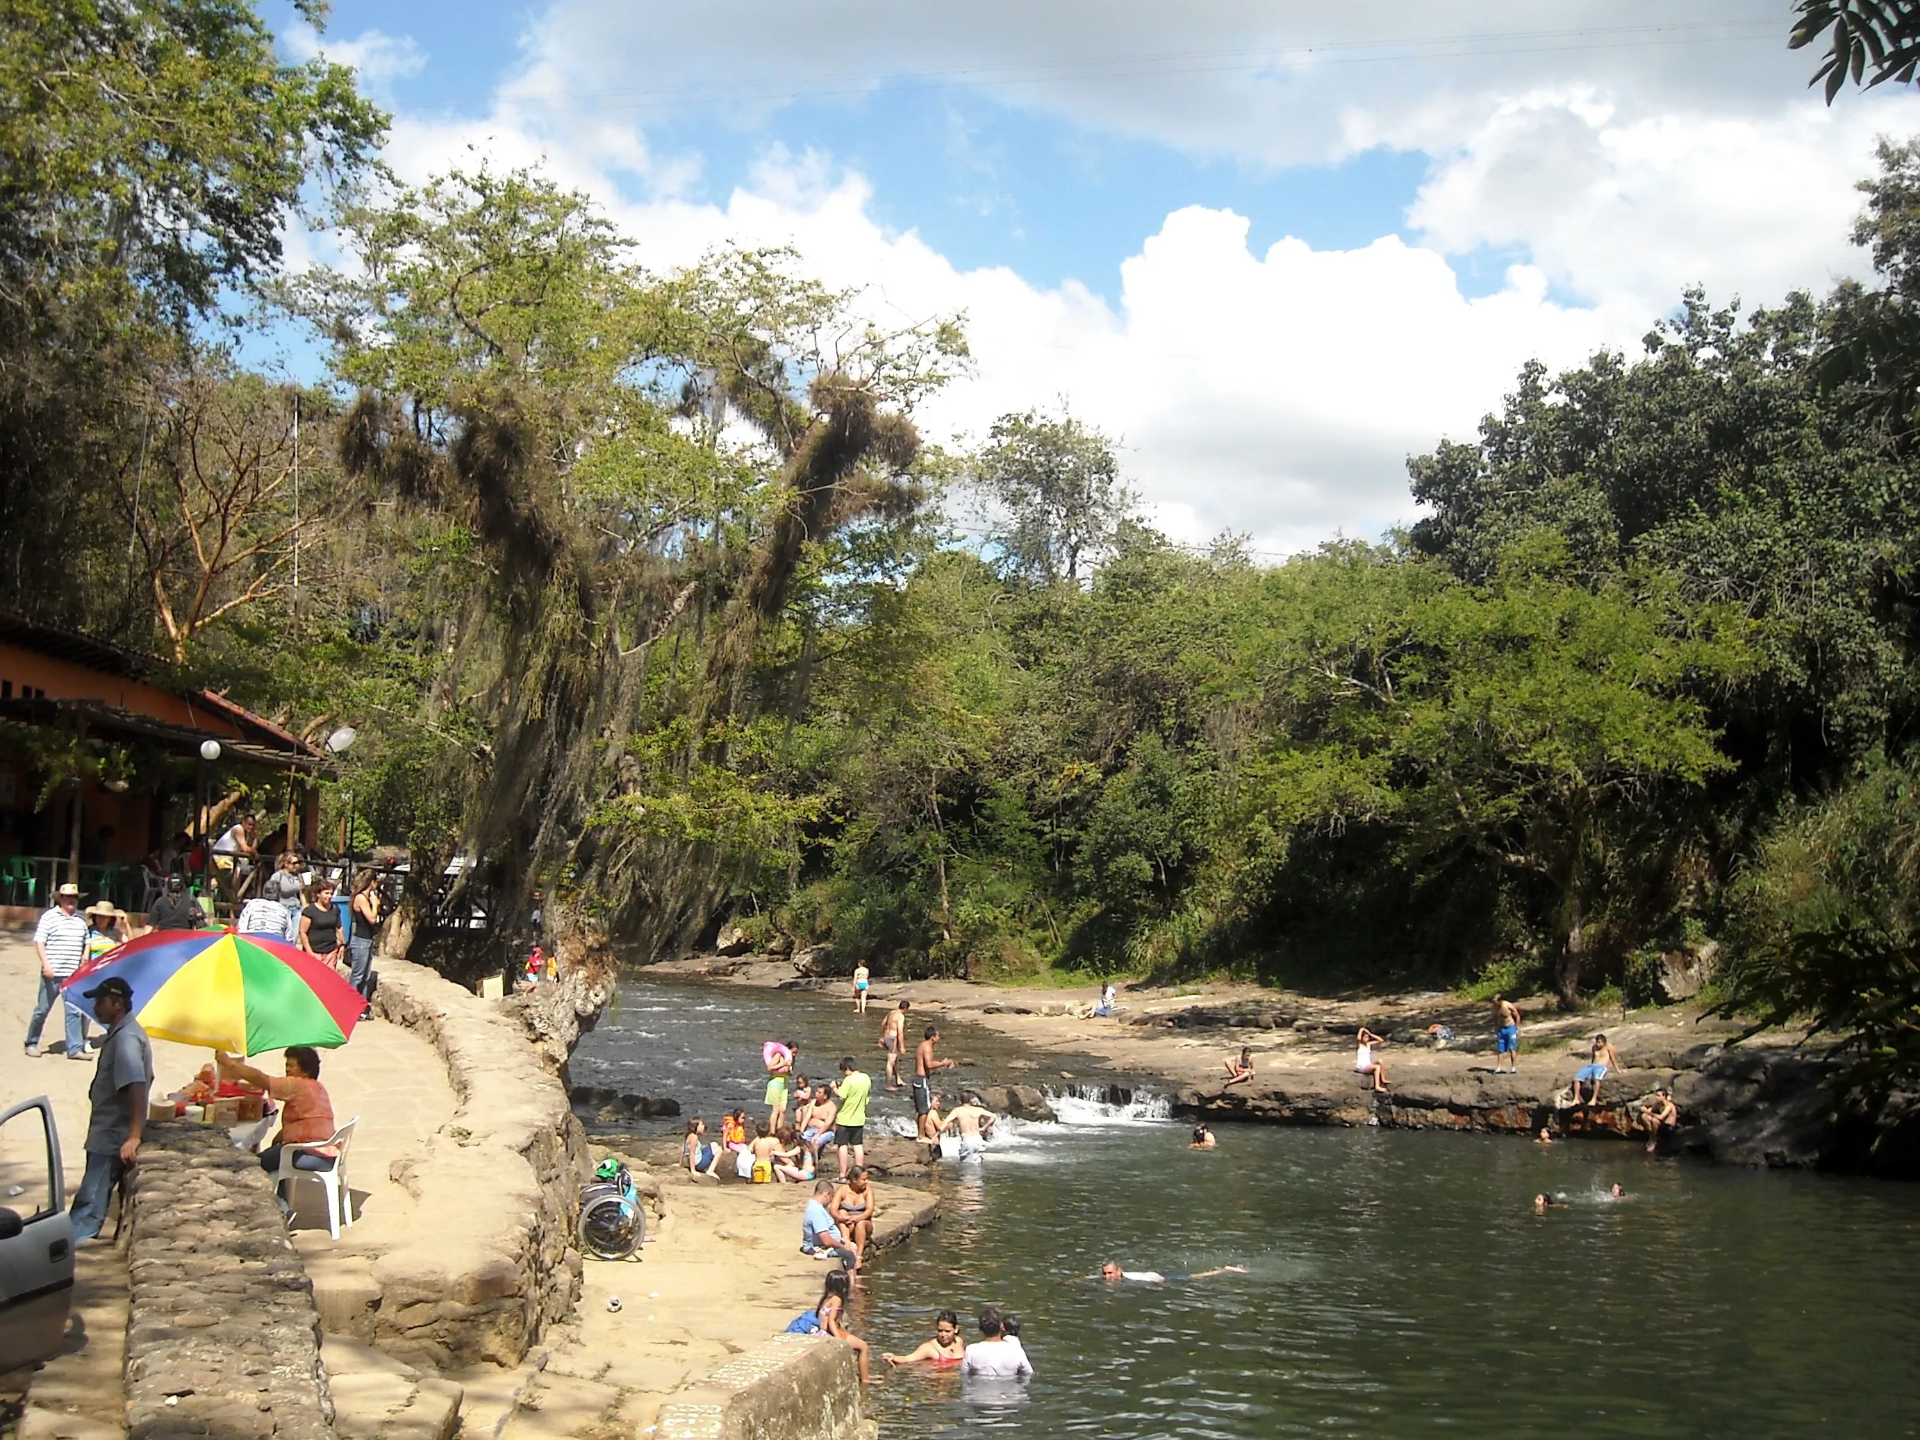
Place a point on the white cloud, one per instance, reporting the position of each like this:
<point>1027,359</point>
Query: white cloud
<point>377,56</point>
<point>1276,392</point>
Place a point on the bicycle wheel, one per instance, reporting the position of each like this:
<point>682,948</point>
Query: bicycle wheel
<point>611,1226</point>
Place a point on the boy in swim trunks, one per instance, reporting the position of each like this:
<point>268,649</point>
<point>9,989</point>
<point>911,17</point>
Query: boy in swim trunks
<point>1506,1039</point>
<point>924,1064</point>
<point>1601,1060</point>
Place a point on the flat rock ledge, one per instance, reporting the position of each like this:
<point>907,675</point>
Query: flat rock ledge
<point>792,1387</point>
<point>502,1176</point>
<point>222,1335</point>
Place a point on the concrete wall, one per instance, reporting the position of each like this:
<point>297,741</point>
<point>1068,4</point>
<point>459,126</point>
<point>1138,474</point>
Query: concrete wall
<point>222,1336</point>
<point>502,1177</point>
<point>794,1387</point>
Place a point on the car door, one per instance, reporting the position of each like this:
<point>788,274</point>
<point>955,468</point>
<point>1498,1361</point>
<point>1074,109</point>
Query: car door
<point>36,1236</point>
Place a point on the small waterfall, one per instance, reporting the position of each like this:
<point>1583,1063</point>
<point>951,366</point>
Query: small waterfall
<point>1094,1105</point>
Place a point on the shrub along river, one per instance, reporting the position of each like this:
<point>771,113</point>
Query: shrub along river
<point>1397,1283</point>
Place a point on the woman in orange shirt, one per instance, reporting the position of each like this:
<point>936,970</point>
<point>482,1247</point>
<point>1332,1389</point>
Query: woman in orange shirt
<point>306,1114</point>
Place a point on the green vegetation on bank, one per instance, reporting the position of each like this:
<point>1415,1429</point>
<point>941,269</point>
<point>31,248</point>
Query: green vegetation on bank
<point>642,587</point>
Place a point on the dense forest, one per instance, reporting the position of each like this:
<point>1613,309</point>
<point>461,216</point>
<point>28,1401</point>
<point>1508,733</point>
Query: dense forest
<point>643,588</point>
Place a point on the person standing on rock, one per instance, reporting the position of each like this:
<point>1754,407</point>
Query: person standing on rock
<point>121,1081</point>
<point>1506,1039</point>
<point>924,1064</point>
<point>860,974</point>
<point>893,1040</point>
<point>850,1126</point>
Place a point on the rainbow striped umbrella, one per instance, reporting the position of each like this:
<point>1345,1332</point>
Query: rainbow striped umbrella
<point>233,991</point>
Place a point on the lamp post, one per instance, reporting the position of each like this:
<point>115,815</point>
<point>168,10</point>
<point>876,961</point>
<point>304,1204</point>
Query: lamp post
<point>209,752</point>
<point>338,742</point>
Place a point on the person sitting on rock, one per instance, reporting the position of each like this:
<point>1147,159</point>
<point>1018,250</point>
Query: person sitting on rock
<point>1601,1060</point>
<point>765,1146</point>
<point>792,1162</point>
<point>1365,1064</point>
<point>700,1155</point>
<point>854,1207</point>
<point>832,1311</point>
<point>820,1233</point>
<point>1240,1071</point>
<point>816,1122</point>
<point>1660,1118</point>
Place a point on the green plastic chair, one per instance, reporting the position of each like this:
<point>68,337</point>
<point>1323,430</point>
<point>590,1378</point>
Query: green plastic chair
<point>17,876</point>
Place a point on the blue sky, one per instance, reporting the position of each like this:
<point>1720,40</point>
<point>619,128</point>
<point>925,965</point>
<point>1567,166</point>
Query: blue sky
<point>1274,248</point>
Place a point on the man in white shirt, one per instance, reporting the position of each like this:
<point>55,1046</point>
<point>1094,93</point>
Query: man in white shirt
<point>261,916</point>
<point>60,939</point>
<point>993,1354</point>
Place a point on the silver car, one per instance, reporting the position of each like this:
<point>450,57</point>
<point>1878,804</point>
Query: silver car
<point>36,1237</point>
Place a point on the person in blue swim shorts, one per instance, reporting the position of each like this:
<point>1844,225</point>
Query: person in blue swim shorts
<point>1506,1040</point>
<point>1600,1061</point>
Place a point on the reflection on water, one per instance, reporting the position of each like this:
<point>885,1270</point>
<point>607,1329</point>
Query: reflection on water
<point>1399,1283</point>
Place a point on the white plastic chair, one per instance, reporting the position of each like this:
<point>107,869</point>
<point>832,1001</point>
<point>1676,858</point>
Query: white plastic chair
<point>339,1196</point>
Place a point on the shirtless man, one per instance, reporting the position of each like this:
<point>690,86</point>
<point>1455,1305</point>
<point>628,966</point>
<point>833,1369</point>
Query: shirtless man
<point>924,1065</point>
<point>816,1121</point>
<point>1506,1040</point>
<point>853,1208</point>
<point>1659,1118</point>
<point>975,1123</point>
<point>893,1040</point>
<point>1600,1061</point>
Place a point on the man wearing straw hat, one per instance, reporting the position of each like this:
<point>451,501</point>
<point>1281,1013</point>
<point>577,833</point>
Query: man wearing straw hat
<point>119,1100</point>
<point>60,939</point>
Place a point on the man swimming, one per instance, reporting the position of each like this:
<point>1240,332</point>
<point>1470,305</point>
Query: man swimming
<point>893,1040</point>
<point>1110,1271</point>
<point>1506,1040</point>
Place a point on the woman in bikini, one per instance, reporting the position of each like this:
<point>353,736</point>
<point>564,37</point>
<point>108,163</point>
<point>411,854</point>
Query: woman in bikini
<point>699,1154</point>
<point>831,1313</point>
<point>853,1207</point>
<point>1240,1071</point>
<point>1365,1064</point>
<point>946,1347</point>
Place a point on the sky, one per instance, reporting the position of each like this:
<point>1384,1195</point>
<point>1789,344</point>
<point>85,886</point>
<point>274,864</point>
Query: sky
<point>1272,248</point>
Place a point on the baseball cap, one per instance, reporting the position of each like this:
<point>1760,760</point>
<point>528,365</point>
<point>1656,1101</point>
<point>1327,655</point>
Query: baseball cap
<point>112,985</point>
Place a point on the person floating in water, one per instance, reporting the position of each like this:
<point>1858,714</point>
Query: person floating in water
<point>1363,1061</point>
<point>1240,1071</point>
<point>1110,1271</point>
<point>1544,1202</point>
<point>1617,1191</point>
<point>1506,1039</point>
<point>1601,1059</point>
<point>1202,1139</point>
<point>946,1347</point>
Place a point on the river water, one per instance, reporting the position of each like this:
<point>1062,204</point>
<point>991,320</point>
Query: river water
<point>1398,1283</point>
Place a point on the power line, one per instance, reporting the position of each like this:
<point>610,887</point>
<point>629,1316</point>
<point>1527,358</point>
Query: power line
<point>1169,64</point>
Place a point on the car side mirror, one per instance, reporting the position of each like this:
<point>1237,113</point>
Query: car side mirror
<point>10,1224</point>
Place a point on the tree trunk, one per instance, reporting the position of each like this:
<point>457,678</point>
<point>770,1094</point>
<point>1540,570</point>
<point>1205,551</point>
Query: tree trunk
<point>1573,949</point>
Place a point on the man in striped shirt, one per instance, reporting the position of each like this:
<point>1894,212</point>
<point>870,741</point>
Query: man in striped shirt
<point>61,940</point>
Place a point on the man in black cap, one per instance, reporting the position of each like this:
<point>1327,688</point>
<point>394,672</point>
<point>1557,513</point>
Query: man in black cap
<point>175,909</point>
<point>122,1076</point>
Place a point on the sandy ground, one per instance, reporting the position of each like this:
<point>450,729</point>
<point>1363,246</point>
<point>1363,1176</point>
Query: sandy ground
<point>721,1272</point>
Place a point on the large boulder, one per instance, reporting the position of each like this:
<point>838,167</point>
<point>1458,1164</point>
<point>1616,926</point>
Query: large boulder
<point>1022,1102</point>
<point>732,941</point>
<point>815,962</point>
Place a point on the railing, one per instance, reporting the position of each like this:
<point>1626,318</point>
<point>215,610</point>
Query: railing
<point>32,879</point>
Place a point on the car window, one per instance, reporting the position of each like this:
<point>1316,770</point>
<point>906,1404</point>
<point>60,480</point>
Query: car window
<point>26,1165</point>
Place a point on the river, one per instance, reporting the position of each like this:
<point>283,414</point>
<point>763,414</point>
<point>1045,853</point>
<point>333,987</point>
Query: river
<point>1397,1283</point>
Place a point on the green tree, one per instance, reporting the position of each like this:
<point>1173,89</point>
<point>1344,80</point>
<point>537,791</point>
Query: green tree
<point>1054,495</point>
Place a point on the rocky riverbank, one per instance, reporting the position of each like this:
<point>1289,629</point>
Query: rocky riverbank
<point>1768,1100</point>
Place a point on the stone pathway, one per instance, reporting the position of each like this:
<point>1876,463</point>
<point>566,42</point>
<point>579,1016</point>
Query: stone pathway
<point>392,1079</point>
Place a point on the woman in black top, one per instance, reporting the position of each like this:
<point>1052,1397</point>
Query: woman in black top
<point>320,925</point>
